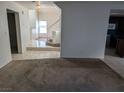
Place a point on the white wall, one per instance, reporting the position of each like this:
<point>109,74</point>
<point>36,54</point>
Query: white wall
<point>84,28</point>
<point>32,18</point>
<point>5,54</point>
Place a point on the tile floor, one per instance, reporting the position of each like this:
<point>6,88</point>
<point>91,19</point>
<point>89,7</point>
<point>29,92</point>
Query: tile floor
<point>38,43</point>
<point>37,49</point>
<point>36,55</point>
<point>41,43</point>
<point>114,61</point>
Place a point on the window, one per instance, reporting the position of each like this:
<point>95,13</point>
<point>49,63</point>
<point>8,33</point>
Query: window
<point>43,26</point>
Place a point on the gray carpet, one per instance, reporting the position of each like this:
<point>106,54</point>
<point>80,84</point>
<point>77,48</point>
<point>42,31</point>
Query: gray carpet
<point>59,75</point>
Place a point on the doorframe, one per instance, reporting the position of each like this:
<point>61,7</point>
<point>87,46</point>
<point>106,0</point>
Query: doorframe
<point>18,31</point>
<point>116,13</point>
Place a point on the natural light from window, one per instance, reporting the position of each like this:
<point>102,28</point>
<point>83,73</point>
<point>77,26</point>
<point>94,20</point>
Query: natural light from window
<point>42,27</point>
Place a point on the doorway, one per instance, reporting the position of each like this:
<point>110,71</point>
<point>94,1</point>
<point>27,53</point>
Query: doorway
<point>45,30</point>
<point>14,31</point>
<point>115,35</point>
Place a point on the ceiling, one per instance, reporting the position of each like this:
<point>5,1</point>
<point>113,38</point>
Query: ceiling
<point>31,4</point>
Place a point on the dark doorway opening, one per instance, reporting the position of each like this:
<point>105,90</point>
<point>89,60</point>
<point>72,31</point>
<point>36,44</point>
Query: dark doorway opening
<point>13,31</point>
<point>114,35</point>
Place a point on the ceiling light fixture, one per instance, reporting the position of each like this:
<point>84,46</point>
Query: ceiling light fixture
<point>38,6</point>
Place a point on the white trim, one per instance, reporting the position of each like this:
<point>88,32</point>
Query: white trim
<point>18,33</point>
